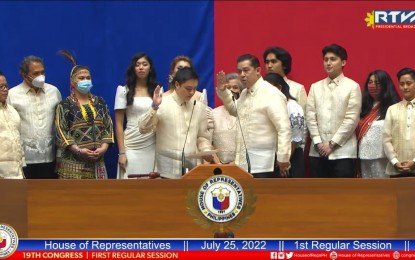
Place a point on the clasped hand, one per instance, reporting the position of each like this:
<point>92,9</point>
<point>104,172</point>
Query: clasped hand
<point>405,166</point>
<point>323,149</point>
<point>92,155</point>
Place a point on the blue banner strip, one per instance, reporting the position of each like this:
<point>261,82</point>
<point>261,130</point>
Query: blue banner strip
<point>211,245</point>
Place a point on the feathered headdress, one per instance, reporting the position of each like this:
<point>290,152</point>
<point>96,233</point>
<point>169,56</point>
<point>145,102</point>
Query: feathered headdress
<point>70,58</point>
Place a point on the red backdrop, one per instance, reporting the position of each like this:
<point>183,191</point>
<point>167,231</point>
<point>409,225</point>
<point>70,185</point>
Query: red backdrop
<point>304,28</point>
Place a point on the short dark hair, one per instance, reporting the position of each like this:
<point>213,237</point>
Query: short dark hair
<point>253,59</point>
<point>336,49</point>
<point>24,65</point>
<point>406,71</point>
<point>185,74</point>
<point>282,55</point>
<point>1,73</point>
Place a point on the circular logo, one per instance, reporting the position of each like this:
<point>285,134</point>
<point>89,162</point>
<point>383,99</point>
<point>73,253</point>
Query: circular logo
<point>8,240</point>
<point>220,198</point>
<point>396,255</point>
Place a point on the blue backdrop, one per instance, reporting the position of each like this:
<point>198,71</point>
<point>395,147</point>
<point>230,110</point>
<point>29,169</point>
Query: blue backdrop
<point>105,35</point>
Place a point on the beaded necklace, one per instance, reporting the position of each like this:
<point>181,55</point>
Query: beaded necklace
<point>88,110</point>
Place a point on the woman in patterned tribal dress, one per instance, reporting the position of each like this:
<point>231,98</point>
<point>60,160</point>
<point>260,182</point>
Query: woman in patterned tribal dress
<point>84,130</point>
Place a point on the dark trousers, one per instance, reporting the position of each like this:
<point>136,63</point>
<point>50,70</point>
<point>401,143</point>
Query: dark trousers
<point>265,175</point>
<point>40,171</point>
<point>324,168</point>
<point>297,164</point>
<point>402,175</point>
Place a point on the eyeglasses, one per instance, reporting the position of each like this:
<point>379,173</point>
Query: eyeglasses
<point>4,87</point>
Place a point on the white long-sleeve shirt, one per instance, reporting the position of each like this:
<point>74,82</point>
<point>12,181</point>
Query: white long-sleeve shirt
<point>264,119</point>
<point>11,154</point>
<point>332,113</point>
<point>170,122</point>
<point>399,134</point>
<point>37,115</point>
<point>298,92</point>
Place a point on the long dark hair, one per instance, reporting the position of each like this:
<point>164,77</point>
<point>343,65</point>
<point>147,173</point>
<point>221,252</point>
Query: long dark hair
<point>277,80</point>
<point>131,77</point>
<point>387,95</point>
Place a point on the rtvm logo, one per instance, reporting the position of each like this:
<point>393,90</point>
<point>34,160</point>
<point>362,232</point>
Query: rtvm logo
<point>391,19</point>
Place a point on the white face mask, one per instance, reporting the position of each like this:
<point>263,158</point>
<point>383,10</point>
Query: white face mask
<point>39,81</point>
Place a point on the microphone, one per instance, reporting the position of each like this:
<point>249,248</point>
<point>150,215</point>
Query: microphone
<point>185,139</point>
<point>217,171</point>
<point>151,175</point>
<point>243,138</point>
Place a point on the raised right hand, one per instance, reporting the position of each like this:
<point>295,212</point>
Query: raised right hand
<point>157,96</point>
<point>221,83</point>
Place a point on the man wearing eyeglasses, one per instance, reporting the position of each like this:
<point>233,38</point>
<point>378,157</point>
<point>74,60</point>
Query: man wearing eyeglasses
<point>36,101</point>
<point>11,155</point>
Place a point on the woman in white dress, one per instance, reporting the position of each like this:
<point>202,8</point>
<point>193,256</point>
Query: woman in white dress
<point>136,150</point>
<point>378,94</point>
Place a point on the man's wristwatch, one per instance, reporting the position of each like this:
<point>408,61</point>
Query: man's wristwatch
<point>332,145</point>
<point>154,106</point>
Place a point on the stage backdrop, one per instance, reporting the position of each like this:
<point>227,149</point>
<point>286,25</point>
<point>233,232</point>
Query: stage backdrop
<point>305,27</point>
<point>106,34</point>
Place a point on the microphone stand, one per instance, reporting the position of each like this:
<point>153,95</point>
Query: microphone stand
<point>185,139</point>
<point>248,161</point>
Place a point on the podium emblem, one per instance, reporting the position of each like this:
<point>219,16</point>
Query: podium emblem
<point>220,198</point>
<point>8,241</point>
<point>220,204</point>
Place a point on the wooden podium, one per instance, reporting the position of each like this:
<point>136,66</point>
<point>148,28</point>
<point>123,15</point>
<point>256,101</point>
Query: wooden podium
<point>285,208</point>
<point>205,171</point>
